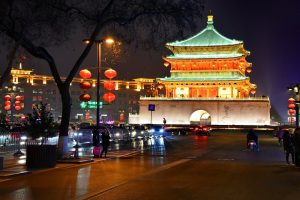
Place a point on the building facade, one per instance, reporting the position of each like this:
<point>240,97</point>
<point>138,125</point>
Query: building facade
<point>208,84</point>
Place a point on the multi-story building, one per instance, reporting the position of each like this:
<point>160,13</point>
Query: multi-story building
<point>208,84</point>
<point>42,88</point>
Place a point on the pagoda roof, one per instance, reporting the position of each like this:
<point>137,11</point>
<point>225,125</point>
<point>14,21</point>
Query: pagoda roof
<point>207,37</point>
<point>205,56</point>
<point>203,79</point>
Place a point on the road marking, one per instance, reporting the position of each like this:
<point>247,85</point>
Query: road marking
<point>162,168</point>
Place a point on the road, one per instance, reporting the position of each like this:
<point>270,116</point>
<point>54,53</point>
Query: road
<point>180,167</point>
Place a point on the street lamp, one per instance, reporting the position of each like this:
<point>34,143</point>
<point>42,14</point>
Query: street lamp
<point>99,44</point>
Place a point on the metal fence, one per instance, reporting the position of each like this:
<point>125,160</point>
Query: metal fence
<point>12,141</point>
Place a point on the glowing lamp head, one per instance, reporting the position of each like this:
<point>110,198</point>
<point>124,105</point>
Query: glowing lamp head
<point>109,41</point>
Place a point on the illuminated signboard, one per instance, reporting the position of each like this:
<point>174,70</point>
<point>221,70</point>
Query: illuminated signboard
<point>90,105</point>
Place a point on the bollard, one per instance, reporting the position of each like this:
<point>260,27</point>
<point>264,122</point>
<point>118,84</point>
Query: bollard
<point>1,163</point>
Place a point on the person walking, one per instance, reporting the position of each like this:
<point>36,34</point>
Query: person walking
<point>164,121</point>
<point>279,135</point>
<point>297,146</point>
<point>105,143</point>
<point>288,146</point>
<point>252,136</point>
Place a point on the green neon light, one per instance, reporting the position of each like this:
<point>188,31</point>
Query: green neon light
<point>91,105</point>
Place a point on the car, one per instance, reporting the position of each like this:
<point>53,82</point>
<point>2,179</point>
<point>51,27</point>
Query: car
<point>84,135</point>
<point>137,131</point>
<point>119,133</point>
<point>202,130</point>
<point>155,130</point>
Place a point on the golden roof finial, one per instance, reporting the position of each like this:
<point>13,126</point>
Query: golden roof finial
<point>210,17</point>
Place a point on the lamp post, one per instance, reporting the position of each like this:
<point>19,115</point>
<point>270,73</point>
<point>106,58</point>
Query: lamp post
<point>99,45</point>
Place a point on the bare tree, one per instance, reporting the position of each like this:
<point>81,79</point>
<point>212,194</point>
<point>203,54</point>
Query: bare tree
<point>36,25</point>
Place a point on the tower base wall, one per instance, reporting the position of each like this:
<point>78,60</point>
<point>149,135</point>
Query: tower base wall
<point>222,112</point>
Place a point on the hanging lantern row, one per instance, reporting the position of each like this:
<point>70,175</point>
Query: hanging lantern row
<point>110,73</point>
<point>85,85</point>
<point>291,106</point>
<point>109,85</point>
<point>18,104</point>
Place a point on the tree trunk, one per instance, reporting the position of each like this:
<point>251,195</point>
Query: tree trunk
<point>65,119</point>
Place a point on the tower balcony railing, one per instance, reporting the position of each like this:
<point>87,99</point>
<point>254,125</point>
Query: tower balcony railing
<point>264,98</point>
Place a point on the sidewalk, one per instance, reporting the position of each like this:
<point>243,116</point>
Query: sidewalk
<point>16,166</point>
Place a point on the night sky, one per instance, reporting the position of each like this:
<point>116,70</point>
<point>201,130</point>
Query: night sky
<point>270,31</point>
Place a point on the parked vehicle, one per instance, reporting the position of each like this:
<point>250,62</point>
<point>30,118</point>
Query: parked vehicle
<point>137,131</point>
<point>202,130</point>
<point>155,130</point>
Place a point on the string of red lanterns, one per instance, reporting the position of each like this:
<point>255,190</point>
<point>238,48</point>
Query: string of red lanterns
<point>85,85</point>
<point>109,85</point>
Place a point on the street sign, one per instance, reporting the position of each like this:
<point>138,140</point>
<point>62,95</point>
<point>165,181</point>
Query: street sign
<point>151,107</point>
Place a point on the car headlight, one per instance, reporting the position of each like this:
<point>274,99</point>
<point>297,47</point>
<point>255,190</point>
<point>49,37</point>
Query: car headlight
<point>142,132</point>
<point>133,133</point>
<point>161,130</point>
<point>117,134</point>
<point>23,137</point>
<point>152,130</point>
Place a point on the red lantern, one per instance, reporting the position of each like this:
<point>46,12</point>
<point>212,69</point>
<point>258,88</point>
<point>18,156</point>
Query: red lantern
<point>109,97</point>
<point>166,64</point>
<point>7,107</point>
<point>291,106</point>
<point>248,69</point>
<point>253,91</point>
<point>17,107</point>
<point>17,103</point>
<point>292,112</point>
<point>7,97</point>
<point>85,73</point>
<point>85,85</point>
<point>109,85</point>
<point>110,73</point>
<point>291,100</point>
<point>85,97</point>
<point>18,98</point>
<point>7,103</point>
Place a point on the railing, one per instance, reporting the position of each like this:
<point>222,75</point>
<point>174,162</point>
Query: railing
<point>205,98</point>
<point>11,142</point>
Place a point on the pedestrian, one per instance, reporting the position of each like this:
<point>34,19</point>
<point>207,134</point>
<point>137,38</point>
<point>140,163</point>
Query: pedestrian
<point>288,146</point>
<point>252,136</point>
<point>279,135</point>
<point>164,121</point>
<point>105,143</point>
<point>297,146</point>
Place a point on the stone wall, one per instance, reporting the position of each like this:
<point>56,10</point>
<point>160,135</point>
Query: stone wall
<point>222,112</point>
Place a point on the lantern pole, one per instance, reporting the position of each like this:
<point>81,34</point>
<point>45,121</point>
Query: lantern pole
<point>99,44</point>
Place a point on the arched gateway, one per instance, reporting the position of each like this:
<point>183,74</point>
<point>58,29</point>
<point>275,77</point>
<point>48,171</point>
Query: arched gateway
<point>200,117</point>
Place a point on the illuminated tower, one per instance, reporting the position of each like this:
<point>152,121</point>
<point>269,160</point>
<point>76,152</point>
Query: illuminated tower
<point>208,65</point>
<point>207,85</point>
